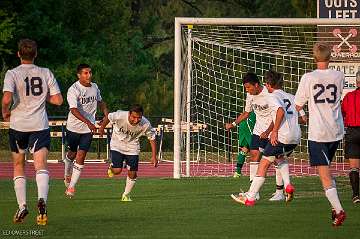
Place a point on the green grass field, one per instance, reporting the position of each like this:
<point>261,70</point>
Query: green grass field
<point>186,208</point>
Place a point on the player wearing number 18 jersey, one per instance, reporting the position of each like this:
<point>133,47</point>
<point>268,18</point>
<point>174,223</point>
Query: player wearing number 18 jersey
<point>28,87</point>
<point>322,90</point>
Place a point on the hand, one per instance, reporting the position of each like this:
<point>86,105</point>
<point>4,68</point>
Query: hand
<point>154,161</point>
<point>274,138</point>
<point>6,116</point>
<point>264,135</point>
<point>92,127</point>
<point>101,130</point>
<point>228,126</point>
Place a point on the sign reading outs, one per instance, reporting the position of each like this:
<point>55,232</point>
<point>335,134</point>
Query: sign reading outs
<point>338,9</point>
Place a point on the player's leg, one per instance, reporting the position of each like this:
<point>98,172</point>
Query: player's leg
<point>354,179</point>
<point>256,147</point>
<point>83,148</point>
<point>352,152</point>
<point>117,163</point>
<point>240,161</point>
<point>321,155</point>
<point>39,144</point>
<point>283,151</point>
<point>278,195</point>
<point>249,198</point>
<point>132,162</point>
<point>72,140</point>
<point>18,143</point>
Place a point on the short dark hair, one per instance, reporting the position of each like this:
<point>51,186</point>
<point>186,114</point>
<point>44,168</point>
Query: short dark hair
<point>273,78</point>
<point>82,66</point>
<point>27,49</point>
<point>136,108</point>
<point>251,78</point>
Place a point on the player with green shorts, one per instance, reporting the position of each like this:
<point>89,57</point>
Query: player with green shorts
<point>245,129</point>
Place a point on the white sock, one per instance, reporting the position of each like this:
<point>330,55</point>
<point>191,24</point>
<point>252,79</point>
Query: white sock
<point>129,185</point>
<point>278,180</point>
<point>20,190</point>
<point>42,181</point>
<point>77,168</point>
<point>68,166</point>
<point>255,186</point>
<point>253,169</point>
<point>284,170</point>
<point>333,198</point>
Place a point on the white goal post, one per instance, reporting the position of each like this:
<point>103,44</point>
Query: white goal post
<point>224,49</point>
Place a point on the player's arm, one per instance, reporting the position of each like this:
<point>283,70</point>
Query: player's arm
<point>56,99</point>
<point>265,134</point>
<point>302,94</point>
<point>103,108</point>
<point>240,118</point>
<point>274,133</point>
<point>5,105</point>
<point>104,122</point>
<point>302,117</point>
<point>154,159</point>
<point>54,95</point>
<point>78,115</point>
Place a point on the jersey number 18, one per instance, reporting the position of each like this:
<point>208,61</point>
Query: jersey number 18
<point>34,85</point>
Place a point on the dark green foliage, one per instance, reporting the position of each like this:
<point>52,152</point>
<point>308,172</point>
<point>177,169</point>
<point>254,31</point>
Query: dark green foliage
<point>128,43</point>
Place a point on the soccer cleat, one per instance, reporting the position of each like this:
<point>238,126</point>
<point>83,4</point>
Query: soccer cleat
<point>67,180</point>
<point>110,172</point>
<point>42,218</point>
<point>290,189</point>
<point>277,197</point>
<point>70,192</point>
<point>126,198</point>
<point>339,219</point>
<point>257,196</point>
<point>243,199</point>
<point>356,199</point>
<point>20,214</point>
<point>236,175</point>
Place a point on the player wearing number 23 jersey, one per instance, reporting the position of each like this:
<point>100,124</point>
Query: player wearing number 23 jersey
<point>322,89</point>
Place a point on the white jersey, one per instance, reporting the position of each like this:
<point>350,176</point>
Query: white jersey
<point>322,89</point>
<point>289,131</point>
<point>30,85</point>
<point>260,105</point>
<point>125,137</point>
<point>85,99</point>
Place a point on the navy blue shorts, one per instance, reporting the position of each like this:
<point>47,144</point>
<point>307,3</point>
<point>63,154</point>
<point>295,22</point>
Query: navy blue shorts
<point>77,141</point>
<point>117,160</point>
<point>33,140</point>
<point>322,153</point>
<point>279,150</point>
<point>257,143</point>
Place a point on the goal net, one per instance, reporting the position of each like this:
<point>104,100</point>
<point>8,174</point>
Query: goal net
<point>211,58</point>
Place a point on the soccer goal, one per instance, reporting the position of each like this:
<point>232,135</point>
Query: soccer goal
<point>211,57</point>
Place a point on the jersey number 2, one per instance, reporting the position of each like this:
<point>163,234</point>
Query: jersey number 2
<point>321,87</point>
<point>34,85</point>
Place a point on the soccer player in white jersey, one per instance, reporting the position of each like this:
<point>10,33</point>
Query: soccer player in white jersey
<point>128,127</point>
<point>322,90</point>
<point>83,98</point>
<point>284,137</point>
<point>257,101</point>
<point>26,89</point>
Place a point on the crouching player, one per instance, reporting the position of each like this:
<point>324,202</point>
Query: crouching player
<point>284,137</point>
<point>128,127</point>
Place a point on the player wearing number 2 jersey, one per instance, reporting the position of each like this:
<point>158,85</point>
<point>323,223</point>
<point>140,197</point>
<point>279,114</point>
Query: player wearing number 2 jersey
<point>28,87</point>
<point>322,90</point>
